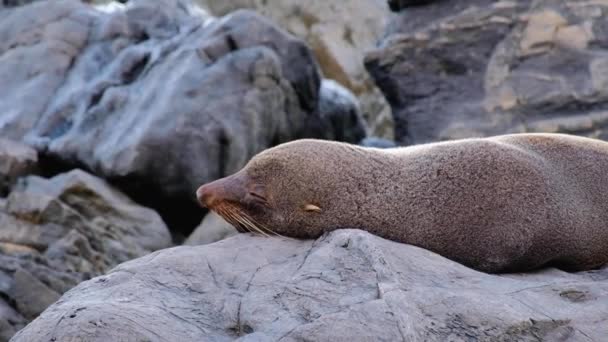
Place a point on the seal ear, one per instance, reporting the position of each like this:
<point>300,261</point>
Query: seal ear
<point>312,208</point>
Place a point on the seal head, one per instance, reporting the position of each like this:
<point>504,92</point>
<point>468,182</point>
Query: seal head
<point>272,194</point>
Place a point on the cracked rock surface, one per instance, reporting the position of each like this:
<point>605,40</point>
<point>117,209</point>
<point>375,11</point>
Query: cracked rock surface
<point>347,285</point>
<point>456,69</point>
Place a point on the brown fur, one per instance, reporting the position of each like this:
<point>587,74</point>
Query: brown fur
<point>501,204</point>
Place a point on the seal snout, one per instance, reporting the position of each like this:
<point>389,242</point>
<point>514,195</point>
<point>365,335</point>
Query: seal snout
<point>226,189</point>
<point>204,195</point>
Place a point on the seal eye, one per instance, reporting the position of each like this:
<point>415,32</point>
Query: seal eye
<point>257,199</point>
<point>257,196</point>
<point>312,208</point>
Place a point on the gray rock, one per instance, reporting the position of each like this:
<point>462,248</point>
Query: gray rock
<point>457,69</point>
<point>398,5</point>
<point>31,296</point>
<point>10,321</point>
<point>14,3</point>
<point>347,285</point>
<point>16,160</point>
<point>55,233</point>
<point>377,142</point>
<point>156,96</point>
<point>213,228</point>
<point>339,32</point>
<point>340,113</point>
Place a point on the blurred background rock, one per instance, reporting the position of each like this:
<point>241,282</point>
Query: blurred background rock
<point>456,69</point>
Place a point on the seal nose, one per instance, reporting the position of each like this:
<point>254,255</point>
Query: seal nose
<point>204,195</point>
<point>226,189</point>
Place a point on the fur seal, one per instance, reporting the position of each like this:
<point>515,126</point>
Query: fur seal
<point>508,203</point>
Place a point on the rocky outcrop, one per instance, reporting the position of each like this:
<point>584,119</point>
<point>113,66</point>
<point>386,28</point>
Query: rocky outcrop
<point>339,33</point>
<point>16,160</point>
<point>348,285</point>
<point>157,97</point>
<point>457,69</point>
<point>55,233</point>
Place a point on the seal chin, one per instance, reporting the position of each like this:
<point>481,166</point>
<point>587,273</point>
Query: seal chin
<point>228,189</point>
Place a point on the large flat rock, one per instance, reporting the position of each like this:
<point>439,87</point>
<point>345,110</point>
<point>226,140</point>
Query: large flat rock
<point>347,285</point>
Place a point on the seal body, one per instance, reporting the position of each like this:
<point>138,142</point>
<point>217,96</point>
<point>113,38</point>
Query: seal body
<point>501,204</point>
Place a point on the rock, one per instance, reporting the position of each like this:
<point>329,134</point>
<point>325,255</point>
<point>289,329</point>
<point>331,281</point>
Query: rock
<point>377,142</point>
<point>339,33</point>
<point>347,285</point>
<point>157,97</point>
<point>340,113</point>
<point>456,69</point>
<point>31,295</point>
<point>213,228</point>
<point>16,160</point>
<point>398,5</point>
<point>57,232</point>
<point>14,3</point>
<point>10,321</point>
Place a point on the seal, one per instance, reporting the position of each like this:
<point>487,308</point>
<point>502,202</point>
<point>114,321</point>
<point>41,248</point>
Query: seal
<point>508,203</point>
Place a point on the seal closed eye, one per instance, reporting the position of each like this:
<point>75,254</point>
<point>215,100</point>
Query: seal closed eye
<point>502,204</point>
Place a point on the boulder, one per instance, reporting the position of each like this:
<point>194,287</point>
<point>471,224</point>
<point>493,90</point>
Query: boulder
<point>455,69</point>
<point>16,160</point>
<point>347,285</point>
<point>213,228</point>
<point>340,113</point>
<point>156,96</point>
<point>57,232</point>
<point>14,3</point>
<point>398,5</point>
<point>377,142</point>
<point>339,33</point>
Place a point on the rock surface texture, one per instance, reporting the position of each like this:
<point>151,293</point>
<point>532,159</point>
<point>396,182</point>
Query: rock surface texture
<point>455,69</point>
<point>348,285</point>
<point>340,113</point>
<point>55,233</point>
<point>16,160</point>
<point>339,32</point>
<point>156,96</point>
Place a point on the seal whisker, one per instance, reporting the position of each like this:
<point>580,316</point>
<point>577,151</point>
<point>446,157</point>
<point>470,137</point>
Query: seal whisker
<point>267,229</point>
<point>259,225</point>
<point>244,221</point>
<point>226,212</point>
